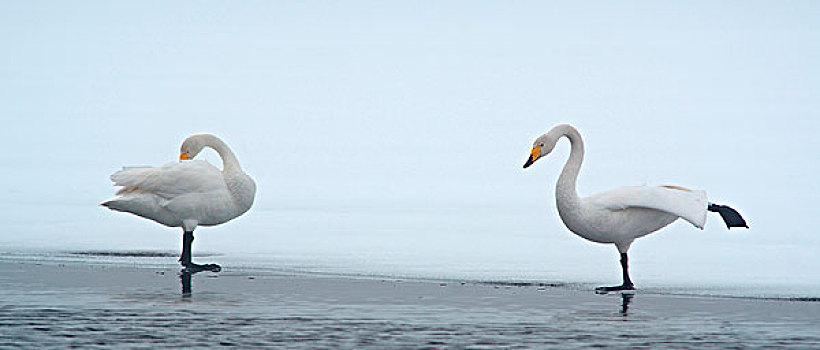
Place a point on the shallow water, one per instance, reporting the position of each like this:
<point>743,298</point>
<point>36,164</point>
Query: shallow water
<point>60,328</point>
<point>99,305</point>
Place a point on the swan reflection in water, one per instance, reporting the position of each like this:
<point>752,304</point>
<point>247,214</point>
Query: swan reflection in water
<point>626,299</point>
<point>185,279</point>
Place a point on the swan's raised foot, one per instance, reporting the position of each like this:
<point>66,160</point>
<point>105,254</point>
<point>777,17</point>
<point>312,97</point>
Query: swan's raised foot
<point>623,287</point>
<point>194,268</point>
<point>729,215</point>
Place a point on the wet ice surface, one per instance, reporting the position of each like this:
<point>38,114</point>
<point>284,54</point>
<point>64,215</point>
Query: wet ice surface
<point>373,278</point>
<point>77,304</point>
<point>502,242</point>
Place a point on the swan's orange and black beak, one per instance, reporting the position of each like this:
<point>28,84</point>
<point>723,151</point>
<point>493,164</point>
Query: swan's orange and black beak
<point>185,156</point>
<point>536,153</point>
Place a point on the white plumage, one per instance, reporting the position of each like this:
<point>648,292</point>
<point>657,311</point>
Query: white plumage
<point>189,193</point>
<point>621,215</point>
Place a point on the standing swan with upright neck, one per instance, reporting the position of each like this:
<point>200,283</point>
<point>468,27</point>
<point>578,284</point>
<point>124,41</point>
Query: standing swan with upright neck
<point>187,194</point>
<point>621,215</point>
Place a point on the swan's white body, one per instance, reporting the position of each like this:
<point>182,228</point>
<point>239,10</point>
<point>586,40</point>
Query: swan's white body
<point>186,194</point>
<point>621,215</point>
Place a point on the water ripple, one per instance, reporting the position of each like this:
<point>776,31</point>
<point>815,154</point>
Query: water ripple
<point>48,327</point>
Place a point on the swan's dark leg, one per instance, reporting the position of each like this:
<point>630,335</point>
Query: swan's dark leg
<point>187,239</point>
<point>627,285</point>
<point>625,268</point>
<point>185,257</point>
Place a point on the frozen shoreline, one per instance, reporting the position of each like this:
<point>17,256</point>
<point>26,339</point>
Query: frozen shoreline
<point>54,304</point>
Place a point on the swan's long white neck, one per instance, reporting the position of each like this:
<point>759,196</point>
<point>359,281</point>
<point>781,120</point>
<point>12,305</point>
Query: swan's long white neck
<point>229,161</point>
<point>565,193</point>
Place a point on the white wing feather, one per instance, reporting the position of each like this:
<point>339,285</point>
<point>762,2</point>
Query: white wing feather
<point>186,194</point>
<point>173,179</point>
<point>688,204</point>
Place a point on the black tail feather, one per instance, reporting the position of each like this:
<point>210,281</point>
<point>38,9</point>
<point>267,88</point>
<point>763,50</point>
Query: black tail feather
<point>730,216</point>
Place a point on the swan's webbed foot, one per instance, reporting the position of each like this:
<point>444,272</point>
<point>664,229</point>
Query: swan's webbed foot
<point>623,287</point>
<point>730,216</point>
<point>194,268</point>
<point>185,257</point>
<point>627,285</point>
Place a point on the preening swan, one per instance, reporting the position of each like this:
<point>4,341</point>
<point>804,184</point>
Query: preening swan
<point>621,215</point>
<point>187,194</point>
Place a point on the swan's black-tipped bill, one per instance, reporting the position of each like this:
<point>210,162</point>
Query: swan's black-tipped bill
<point>730,216</point>
<point>528,163</point>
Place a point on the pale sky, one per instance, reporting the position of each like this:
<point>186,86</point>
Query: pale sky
<point>414,104</point>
